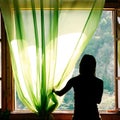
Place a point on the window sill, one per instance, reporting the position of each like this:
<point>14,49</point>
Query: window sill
<point>64,112</point>
<point>59,115</point>
<point>110,112</point>
<point>29,112</point>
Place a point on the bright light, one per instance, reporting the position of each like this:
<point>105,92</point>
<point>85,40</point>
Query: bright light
<point>26,61</point>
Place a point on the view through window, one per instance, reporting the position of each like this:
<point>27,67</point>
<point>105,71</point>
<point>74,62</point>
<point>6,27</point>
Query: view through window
<point>102,47</point>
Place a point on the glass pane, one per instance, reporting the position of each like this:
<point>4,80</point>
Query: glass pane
<point>118,24</point>
<point>118,42</point>
<point>118,59</point>
<point>102,47</point>
<point>18,104</point>
<point>118,93</point>
<point>118,54</point>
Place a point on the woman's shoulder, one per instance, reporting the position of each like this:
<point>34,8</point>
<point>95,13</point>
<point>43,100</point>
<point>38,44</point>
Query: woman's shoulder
<point>76,77</point>
<point>99,80</point>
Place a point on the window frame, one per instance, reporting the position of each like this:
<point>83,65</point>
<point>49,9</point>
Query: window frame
<point>115,56</point>
<point>8,88</point>
<point>116,40</point>
<point>7,78</point>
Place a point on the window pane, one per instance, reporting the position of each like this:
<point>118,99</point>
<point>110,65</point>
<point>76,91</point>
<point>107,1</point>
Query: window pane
<point>102,47</point>
<point>118,93</point>
<point>118,59</point>
<point>118,54</point>
<point>118,24</point>
<point>18,104</point>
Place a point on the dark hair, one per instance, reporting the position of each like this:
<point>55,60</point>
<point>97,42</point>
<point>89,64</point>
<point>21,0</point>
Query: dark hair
<point>87,65</point>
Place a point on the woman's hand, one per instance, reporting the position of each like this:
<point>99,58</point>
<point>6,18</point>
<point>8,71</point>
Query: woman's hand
<point>53,90</point>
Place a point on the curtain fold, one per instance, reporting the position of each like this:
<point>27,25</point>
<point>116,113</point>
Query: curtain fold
<point>46,38</point>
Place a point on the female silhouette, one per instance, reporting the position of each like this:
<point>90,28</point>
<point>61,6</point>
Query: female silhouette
<point>88,90</point>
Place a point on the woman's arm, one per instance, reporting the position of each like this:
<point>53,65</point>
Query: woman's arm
<point>67,87</point>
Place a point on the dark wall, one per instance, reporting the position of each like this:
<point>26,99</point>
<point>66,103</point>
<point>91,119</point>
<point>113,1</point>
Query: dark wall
<point>60,116</point>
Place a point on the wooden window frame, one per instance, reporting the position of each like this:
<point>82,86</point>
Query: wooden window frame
<point>7,78</point>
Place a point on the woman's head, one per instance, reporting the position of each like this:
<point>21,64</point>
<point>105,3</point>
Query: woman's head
<point>87,65</point>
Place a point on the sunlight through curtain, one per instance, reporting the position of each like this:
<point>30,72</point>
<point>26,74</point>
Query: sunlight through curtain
<point>46,38</point>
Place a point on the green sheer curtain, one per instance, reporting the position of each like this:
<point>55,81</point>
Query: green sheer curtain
<point>46,38</point>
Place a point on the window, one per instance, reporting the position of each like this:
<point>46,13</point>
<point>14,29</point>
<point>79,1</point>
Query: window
<point>104,46</point>
<point>6,73</point>
<point>117,43</point>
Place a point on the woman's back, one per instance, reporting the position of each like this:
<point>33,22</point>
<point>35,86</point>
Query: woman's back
<point>88,90</point>
<point>87,93</point>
